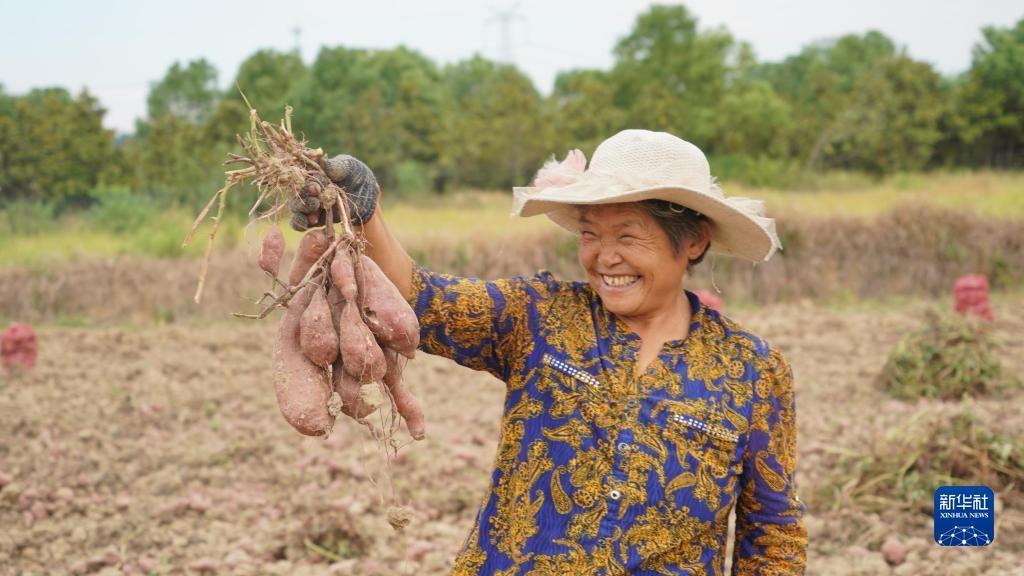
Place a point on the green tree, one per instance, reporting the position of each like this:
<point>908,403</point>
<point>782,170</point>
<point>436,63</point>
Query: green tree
<point>496,132</point>
<point>186,92</point>
<point>835,64</point>
<point>820,82</point>
<point>583,102</point>
<point>893,122</point>
<point>989,115</point>
<point>383,106</point>
<point>175,162</point>
<point>753,121</point>
<point>176,159</point>
<point>670,76</point>
<point>53,147</point>
<point>267,78</point>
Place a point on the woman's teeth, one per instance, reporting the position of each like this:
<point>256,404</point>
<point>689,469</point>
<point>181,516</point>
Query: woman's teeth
<point>619,280</point>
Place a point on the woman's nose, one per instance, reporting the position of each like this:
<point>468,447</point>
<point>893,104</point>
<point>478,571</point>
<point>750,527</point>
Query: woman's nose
<point>608,256</point>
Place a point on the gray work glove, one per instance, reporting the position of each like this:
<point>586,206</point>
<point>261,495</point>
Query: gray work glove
<point>352,176</point>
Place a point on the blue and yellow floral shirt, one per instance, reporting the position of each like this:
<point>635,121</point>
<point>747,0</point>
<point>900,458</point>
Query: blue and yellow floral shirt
<point>600,471</point>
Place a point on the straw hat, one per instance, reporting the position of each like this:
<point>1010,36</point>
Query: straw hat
<point>638,165</point>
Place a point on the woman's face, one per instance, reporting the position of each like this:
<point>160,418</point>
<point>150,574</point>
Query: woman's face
<point>629,259</point>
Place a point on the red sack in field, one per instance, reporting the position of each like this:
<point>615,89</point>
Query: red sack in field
<point>18,346</point>
<point>709,299</point>
<point>970,295</point>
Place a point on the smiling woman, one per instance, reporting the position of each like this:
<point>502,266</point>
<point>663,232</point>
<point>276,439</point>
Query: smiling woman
<point>635,256</point>
<point>636,417</point>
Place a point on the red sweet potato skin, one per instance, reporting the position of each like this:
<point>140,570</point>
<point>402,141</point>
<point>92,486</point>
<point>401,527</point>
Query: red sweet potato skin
<point>301,387</point>
<point>347,386</point>
<point>406,404</point>
<point>272,250</point>
<point>387,313</point>
<point>343,275</point>
<point>360,353</point>
<point>317,336</point>
<point>335,302</point>
<point>311,247</point>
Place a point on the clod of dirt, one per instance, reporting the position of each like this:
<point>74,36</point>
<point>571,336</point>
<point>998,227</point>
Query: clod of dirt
<point>894,552</point>
<point>399,517</point>
<point>203,566</point>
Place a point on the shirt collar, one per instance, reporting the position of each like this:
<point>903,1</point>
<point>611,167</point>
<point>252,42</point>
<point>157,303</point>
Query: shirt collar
<point>621,332</point>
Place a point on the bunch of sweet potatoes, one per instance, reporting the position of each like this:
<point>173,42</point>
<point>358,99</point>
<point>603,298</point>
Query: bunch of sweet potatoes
<point>345,326</point>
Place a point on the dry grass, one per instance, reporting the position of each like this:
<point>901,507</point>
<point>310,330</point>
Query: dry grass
<point>914,251</point>
<point>911,253</point>
<point>471,215</point>
<point>999,194</point>
<point>939,445</point>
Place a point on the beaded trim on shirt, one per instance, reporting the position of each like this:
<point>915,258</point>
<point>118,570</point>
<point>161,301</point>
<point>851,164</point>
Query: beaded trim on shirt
<point>576,373</point>
<point>713,430</point>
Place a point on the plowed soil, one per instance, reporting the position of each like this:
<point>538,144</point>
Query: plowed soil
<point>160,450</point>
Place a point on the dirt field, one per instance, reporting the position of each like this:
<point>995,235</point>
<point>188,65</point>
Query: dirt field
<point>160,450</point>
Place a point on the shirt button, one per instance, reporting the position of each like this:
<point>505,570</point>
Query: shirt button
<point>633,403</point>
<point>615,494</point>
<point>623,447</point>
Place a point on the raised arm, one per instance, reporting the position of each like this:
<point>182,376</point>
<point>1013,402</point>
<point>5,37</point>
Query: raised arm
<point>387,251</point>
<point>480,324</point>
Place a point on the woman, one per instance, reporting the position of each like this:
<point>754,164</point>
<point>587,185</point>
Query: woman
<point>635,416</point>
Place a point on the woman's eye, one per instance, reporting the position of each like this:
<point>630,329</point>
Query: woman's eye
<point>627,238</point>
<point>587,234</point>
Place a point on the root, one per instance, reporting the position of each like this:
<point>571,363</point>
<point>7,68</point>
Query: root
<point>399,517</point>
<point>318,272</point>
<point>278,165</point>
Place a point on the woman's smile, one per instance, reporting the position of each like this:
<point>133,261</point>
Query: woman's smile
<point>619,282</point>
<point>630,262</point>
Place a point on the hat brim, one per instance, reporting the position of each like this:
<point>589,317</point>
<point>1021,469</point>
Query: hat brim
<point>733,232</point>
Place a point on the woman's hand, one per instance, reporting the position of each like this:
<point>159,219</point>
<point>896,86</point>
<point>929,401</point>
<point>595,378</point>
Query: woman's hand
<point>360,186</point>
<point>363,193</point>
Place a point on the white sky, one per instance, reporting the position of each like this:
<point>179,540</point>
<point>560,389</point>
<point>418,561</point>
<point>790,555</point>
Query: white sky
<point>117,48</point>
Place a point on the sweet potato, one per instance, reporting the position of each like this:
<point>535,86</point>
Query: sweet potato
<point>405,403</point>
<point>343,275</point>
<point>334,302</point>
<point>272,250</point>
<point>387,313</point>
<point>317,335</point>
<point>311,247</point>
<point>359,352</point>
<point>302,388</point>
<point>348,387</point>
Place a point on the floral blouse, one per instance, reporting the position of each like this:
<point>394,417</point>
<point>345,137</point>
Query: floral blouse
<point>603,472</point>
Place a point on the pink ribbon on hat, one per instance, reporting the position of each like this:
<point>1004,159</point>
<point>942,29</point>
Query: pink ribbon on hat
<point>555,174</point>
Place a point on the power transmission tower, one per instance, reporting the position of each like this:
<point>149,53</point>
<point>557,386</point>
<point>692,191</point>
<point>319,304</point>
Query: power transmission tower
<point>504,18</point>
<point>297,35</point>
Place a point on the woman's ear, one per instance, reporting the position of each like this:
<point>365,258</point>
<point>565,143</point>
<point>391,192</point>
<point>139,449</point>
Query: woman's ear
<point>698,246</point>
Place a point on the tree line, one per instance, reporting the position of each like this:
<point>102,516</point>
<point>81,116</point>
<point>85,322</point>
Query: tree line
<point>857,102</point>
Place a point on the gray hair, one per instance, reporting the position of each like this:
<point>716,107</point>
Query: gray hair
<point>679,223</point>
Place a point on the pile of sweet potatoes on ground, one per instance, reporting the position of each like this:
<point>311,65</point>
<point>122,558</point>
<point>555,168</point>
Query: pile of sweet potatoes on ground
<point>345,327</point>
